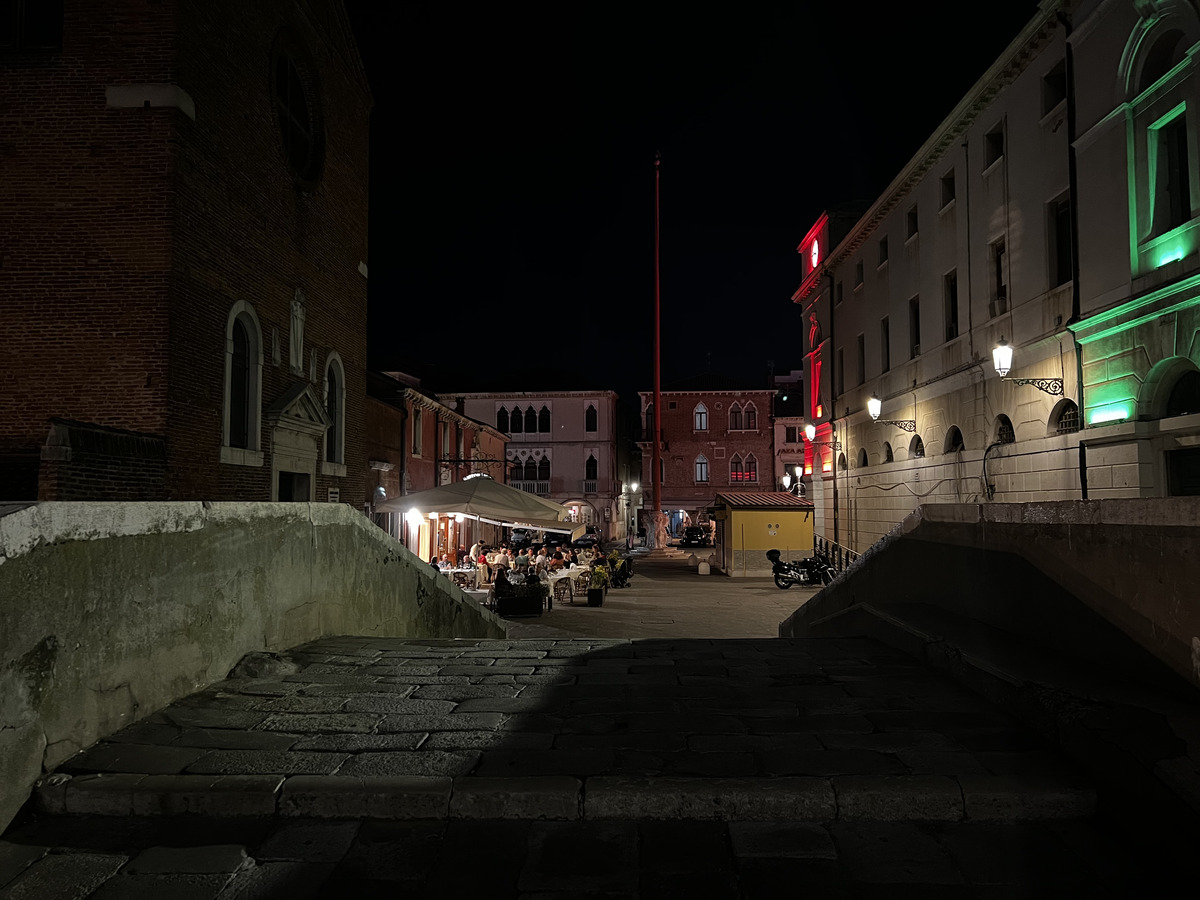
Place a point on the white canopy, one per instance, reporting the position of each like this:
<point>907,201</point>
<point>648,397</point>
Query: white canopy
<point>485,499</point>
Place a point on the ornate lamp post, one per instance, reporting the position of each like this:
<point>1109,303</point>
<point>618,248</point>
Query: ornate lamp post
<point>1002,360</point>
<point>875,406</point>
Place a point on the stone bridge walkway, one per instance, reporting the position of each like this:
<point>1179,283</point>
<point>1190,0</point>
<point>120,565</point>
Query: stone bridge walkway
<point>738,768</point>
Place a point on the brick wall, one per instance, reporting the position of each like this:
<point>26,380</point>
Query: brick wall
<point>131,232</point>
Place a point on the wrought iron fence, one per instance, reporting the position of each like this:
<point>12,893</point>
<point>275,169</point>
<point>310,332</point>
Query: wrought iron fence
<point>839,557</point>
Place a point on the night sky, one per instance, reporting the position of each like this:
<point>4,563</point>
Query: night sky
<point>512,175</point>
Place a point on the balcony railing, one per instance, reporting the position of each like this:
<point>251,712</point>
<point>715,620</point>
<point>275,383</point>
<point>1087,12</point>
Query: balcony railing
<point>541,488</point>
<point>589,487</point>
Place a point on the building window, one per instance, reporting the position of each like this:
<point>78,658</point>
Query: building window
<point>543,469</point>
<point>502,420</point>
<point>1067,420</point>
<point>530,470</point>
<point>750,470</point>
<point>735,418</point>
<point>888,456</point>
<point>858,274</point>
<point>751,416</point>
<point>700,417</point>
<point>998,305</point>
<point>443,449</point>
<point>418,431</point>
<point>789,434</point>
<point>517,420</point>
<point>1173,199</point>
<point>837,293</point>
<point>335,407</point>
<point>993,146</point>
<point>885,345</point>
<point>839,373</point>
<point>1058,229</point>
<point>297,108</point>
<point>910,224</point>
<point>947,183</point>
<point>590,468</point>
<point>735,470</point>
<point>1054,87</point>
<point>916,447</point>
<point>701,469</point>
<point>1185,396</point>
<point>914,327</point>
<point>649,422</point>
<point>589,419</point>
<point>861,360</point>
<point>950,297</point>
<point>883,251</point>
<point>862,457</point>
<point>543,421</point>
<point>1005,433</point>
<point>243,385</point>
<point>954,440</point>
<point>33,25</point>
<point>531,421</point>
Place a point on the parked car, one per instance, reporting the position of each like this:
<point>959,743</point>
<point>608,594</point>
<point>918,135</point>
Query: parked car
<point>520,538</point>
<point>695,536</point>
<point>590,538</point>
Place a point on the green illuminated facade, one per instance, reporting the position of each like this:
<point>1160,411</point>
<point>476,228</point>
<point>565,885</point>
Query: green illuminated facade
<point>1058,208</point>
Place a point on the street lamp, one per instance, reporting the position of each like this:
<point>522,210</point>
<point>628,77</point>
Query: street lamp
<point>1002,360</point>
<point>810,432</point>
<point>875,406</point>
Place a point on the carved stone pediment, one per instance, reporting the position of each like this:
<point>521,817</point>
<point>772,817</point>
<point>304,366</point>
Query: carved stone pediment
<point>299,409</point>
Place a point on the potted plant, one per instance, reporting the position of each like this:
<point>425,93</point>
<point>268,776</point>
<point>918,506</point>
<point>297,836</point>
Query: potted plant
<point>597,585</point>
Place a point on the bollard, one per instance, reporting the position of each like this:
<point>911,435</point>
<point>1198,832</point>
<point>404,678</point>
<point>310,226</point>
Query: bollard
<point>702,569</point>
<point>692,560</point>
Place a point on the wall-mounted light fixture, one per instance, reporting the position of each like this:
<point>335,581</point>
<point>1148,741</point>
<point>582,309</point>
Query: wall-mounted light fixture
<point>875,406</point>
<point>1002,360</point>
<point>810,432</point>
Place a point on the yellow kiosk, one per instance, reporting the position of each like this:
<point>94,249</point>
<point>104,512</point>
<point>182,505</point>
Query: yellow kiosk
<point>750,524</point>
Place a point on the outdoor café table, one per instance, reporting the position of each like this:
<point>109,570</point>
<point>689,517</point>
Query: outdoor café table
<point>570,575</point>
<point>461,577</point>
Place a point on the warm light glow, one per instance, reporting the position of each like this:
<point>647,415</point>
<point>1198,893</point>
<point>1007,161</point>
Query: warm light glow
<point>799,472</point>
<point>810,431</point>
<point>458,518</point>
<point>827,467</point>
<point>874,406</point>
<point>633,487</point>
<point>815,253</point>
<point>433,515</point>
<point>414,516</point>
<point>820,410</point>
<point>1002,357</point>
<point>787,481</point>
<point>808,470</point>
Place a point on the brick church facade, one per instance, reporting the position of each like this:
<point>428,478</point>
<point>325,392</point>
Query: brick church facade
<point>183,297</point>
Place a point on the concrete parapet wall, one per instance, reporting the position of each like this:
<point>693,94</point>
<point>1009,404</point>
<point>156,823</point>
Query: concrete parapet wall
<point>1095,579</point>
<point>109,611</point>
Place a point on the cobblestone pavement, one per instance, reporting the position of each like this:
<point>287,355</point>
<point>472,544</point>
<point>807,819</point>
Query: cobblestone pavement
<point>567,765</point>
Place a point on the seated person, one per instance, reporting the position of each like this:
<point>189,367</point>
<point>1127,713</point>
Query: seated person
<point>522,561</point>
<point>501,588</point>
<point>531,576</point>
<point>556,563</point>
<point>433,561</point>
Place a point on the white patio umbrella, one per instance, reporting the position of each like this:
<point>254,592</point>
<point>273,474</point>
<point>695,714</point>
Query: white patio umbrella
<point>486,499</point>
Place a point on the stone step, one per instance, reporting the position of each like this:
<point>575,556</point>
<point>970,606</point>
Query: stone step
<point>912,798</point>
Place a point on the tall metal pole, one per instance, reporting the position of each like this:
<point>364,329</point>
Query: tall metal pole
<point>656,456</point>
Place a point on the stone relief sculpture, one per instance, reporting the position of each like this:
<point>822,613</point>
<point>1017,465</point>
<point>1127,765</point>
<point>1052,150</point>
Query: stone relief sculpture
<point>296,341</point>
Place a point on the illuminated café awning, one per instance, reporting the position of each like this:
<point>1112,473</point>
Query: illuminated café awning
<point>484,499</point>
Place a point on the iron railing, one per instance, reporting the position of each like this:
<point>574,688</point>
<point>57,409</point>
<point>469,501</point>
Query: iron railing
<point>839,557</point>
<point>541,488</point>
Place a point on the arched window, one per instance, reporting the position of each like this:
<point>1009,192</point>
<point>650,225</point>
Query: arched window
<point>700,416</point>
<point>544,421</point>
<point>750,468</point>
<point>735,418</point>
<point>862,457</point>
<point>530,469</point>
<point>842,464</point>
<point>954,441</point>
<point>1066,418</point>
<point>888,456</point>
<point>916,447</point>
<point>517,421</point>
<point>1185,396</point>
<point>502,420</point>
<point>702,468</point>
<point>735,469</point>
<point>543,471</point>
<point>590,468</point>
<point>335,406</point>
<point>531,421</point>
<point>649,435</point>
<point>750,417</point>
<point>589,419</point>
<point>1167,52</point>
<point>243,387</point>
<point>1005,433</point>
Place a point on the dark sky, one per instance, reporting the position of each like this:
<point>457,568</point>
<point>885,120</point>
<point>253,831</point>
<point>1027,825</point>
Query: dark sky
<point>512,174</point>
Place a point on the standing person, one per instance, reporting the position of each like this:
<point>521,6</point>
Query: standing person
<point>473,553</point>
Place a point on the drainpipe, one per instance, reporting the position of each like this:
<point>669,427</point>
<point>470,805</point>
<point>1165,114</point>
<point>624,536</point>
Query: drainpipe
<point>833,402</point>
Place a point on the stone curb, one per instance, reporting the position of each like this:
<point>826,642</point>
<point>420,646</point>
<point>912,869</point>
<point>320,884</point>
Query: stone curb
<point>549,797</point>
<point>375,797</point>
<point>746,799</point>
<point>158,795</point>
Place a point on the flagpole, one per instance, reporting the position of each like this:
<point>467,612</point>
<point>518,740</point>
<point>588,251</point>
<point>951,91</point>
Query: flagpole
<point>660,533</point>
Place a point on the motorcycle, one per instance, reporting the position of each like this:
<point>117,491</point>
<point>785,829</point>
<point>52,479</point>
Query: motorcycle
<point>811,571</point>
